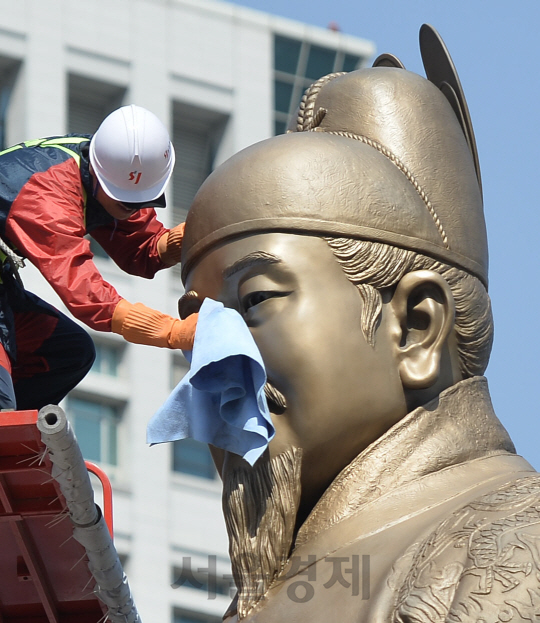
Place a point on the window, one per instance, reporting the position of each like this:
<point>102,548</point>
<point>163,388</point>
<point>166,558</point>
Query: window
<point>97,249</point>
<point>320,62</point>
<point>193,457</point>
<point>188,616</point>
<point>286,54</point>
<point>282,96</point>
<point>108,358</point>
<point>179,367</point>
<point>203,577</point>
<point>9,69</point>
<point>297,64</point>
<point>95,424</point>
<point>350,62</point>
<point>89,102</point>
<point>196,136</point>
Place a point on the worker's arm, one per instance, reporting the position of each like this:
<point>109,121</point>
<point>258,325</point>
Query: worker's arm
<point>46,224</point>
<point>140,245</point>
<point>170,245</point>
<point>143,325</point>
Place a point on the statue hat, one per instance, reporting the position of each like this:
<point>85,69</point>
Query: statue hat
<point>379,154</point>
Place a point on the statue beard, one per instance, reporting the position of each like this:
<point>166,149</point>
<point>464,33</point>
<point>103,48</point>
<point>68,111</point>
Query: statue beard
<point>260,505</point>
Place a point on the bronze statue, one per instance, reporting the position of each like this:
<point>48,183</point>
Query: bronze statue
<point>355,249</point>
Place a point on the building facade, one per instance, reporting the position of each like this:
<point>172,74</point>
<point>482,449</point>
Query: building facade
<point>221,77</point>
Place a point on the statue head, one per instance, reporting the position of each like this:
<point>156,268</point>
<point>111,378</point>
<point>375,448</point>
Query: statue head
<point>355,248</point>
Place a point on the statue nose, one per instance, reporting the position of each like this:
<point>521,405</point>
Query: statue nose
<point>188,304</point>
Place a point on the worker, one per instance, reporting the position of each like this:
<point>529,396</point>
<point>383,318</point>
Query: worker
<point>53,192</point>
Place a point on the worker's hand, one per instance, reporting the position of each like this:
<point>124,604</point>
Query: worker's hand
<point>170,245</point>
<point>182,334</point>
<point>140,324</point>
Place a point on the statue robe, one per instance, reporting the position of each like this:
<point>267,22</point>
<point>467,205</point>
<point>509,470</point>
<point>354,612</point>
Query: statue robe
<point>438,520</point>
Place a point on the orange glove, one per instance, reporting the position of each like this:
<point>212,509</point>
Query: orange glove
<point>170,245</point>
<point>139,324</point>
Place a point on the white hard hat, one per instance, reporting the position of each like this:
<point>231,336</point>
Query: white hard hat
<point>131,155</point>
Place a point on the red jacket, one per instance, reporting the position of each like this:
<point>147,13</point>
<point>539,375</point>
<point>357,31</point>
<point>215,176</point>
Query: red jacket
<point>47,222</point>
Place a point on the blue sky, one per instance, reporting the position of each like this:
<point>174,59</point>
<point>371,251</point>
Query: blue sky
<point>496,51</point>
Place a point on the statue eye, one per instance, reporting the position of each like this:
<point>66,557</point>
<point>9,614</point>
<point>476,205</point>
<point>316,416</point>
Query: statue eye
<point>254,298</point>
<point>259,296</point>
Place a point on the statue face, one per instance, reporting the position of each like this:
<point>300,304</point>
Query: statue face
<point>304,314</point>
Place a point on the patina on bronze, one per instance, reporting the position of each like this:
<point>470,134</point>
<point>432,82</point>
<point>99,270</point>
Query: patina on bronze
<point>355,249</point>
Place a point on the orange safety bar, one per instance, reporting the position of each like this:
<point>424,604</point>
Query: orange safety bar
<point>39,558</point>
<point>107,493</point>
<point>29,418</point>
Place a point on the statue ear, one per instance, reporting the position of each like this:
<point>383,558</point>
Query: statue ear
<point>424,306</point>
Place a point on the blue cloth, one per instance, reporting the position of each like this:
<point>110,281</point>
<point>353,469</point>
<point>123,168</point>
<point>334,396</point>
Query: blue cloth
<point>221,399</point>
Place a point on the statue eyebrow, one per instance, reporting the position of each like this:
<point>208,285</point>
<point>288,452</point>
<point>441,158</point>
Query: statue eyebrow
<point>251,259</point>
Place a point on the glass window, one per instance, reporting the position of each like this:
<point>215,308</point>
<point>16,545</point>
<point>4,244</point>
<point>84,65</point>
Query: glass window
<point>286,54</point>
<point>203,577</point>
<point>320,62</point>
<point>297,64</point>
<point>193,457</point>
<point>351,62</point>
<point>282,95</point>
<point>90,101</point>
<point>9,70</point>
<point>280,127</point>
<point>95,425</point>
<point>97,249</point>
<point>193,163</point>
<point>196,137</point>
<point>108,358</point>
<point>186,616</point>
<point>179,368</point>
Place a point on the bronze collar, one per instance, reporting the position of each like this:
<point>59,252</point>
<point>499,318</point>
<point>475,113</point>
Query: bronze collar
<point>458,426</point>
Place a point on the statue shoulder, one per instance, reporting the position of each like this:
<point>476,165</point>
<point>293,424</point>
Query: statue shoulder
<point>481,564</point>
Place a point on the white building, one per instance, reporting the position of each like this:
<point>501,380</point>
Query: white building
<point>222,77</point>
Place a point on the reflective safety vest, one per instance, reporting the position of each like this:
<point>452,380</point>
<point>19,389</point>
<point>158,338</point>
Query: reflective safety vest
<point>19,162</point>
<point>58,142</point>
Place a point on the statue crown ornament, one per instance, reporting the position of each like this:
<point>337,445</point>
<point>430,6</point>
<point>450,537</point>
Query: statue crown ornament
<point>401,145</point>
